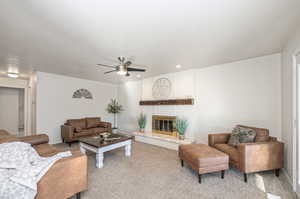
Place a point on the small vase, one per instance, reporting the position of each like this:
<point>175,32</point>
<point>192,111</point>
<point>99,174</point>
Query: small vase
<point>142,130</point>
<point>181,137</point>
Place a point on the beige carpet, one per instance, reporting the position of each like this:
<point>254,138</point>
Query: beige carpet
<point>155,173</point>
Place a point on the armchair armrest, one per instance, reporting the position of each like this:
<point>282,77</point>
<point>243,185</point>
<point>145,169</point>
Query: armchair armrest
<point>67,132</point>
<point>260,156</point>
<point>218,138</point>
<point>65,178</point>
<point>35,139</point>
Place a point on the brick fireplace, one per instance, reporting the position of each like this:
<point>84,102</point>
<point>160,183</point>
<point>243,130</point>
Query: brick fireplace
<point>165,125</point>
<point>164,133</point>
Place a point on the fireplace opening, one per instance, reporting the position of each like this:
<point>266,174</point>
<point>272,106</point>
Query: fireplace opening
<point>164,125</point>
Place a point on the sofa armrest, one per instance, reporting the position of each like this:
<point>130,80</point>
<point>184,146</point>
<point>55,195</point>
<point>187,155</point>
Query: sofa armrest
<point>218,138</point>
<point>67,132</point>
<point>105,125</point>
<point>65,178</point>
<point>35,139</point>
<point>262,156</point>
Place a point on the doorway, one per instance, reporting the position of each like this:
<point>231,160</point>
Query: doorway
<point>12,106</point>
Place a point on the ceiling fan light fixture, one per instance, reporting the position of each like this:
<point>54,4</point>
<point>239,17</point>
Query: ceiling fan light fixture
<point>122,72</point>
<point>123,68</point>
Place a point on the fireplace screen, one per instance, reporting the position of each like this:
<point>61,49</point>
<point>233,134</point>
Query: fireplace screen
<point>164,125</point>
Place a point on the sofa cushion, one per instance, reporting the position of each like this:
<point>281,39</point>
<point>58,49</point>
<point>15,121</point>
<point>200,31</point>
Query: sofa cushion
<point>81,123</point>
<point>98,130</point>
<point>85,132</point>
<point>262,134</point>
<point>229,150</point>
<point>92,122</point>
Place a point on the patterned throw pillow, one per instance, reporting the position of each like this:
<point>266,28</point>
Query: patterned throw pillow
<point>241,135</point>
<point>234,137</point>
<point>246,135</point>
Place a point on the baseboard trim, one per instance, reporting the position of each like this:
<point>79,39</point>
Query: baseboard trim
<point>289,180</point>
<point>288,177</point>
<point>125,131</point>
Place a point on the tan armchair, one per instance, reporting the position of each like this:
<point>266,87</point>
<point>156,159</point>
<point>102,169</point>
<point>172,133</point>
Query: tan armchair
<point>67,177</point>
<point>266,153</point>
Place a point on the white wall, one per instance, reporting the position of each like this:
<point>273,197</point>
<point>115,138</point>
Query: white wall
<point>287,98</point>
<point>9,106</point>
<point>245,92</point>
<point>55,103</point>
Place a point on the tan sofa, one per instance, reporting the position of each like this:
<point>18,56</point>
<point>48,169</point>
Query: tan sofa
<point>65,178</point>
<point>266,153</point>
<point>74,129</point>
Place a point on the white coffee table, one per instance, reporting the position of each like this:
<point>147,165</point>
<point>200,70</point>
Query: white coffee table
<point>99,146</point>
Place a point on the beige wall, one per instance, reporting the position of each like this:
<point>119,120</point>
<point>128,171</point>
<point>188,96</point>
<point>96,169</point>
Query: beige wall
<point>287,98</point>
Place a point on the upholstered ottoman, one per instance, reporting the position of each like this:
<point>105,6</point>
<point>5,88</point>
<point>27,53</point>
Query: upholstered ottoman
<point>203,159</point>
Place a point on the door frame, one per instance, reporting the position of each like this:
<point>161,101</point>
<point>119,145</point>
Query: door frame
<point>296,126</point>
<point>21,84</point>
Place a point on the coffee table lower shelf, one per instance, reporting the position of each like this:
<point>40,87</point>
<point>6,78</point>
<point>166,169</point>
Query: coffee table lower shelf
<point>100,151</point>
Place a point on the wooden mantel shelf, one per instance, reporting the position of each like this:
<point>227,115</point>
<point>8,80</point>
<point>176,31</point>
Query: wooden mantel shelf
<point>189,101</point>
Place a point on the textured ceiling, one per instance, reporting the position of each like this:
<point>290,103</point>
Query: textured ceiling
<point>70,37</point>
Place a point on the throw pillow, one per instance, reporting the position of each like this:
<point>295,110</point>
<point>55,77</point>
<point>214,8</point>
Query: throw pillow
<point>234,137</point>
<point>78,129</point>
<point>246,135</point>
<point>241,135</point>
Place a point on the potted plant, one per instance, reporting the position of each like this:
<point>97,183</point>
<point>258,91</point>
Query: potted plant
<point>142,122</point>
<point>114,107</point>
<point>181,126</point>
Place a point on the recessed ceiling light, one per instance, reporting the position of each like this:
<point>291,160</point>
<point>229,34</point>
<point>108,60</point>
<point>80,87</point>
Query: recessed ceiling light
<point>178,66</point>
<point>12,75</point>
<point>138,76</point>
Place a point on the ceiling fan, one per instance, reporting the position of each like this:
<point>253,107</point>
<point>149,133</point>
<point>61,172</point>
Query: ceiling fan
<point>122,68</point>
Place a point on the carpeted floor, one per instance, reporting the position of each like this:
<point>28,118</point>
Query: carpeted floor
<point>155,173</point>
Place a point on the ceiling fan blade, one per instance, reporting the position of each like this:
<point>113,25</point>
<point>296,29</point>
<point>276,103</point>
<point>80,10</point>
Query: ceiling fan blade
<point>110,71</point>
<point>139,65</point>
<point>106,65</point>
<point>136,69</point>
